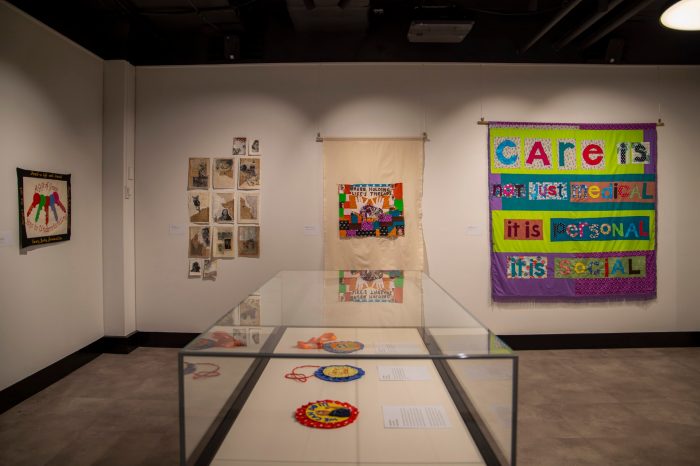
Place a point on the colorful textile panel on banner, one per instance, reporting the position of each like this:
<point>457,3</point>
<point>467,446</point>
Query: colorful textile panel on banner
<point>370,286</point>
<point>370,210</point>
<point>573,210</point>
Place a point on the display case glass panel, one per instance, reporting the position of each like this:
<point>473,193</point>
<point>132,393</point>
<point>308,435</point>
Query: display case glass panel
<point>418,380</point>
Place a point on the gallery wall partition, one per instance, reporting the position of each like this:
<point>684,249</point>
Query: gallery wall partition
<point>51,126</point>
<point>186,112</point>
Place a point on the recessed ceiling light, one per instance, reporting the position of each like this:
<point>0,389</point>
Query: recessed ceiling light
<point>683,15</point>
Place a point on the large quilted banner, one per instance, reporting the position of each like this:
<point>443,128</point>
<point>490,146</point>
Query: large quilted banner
<point>573,210</point>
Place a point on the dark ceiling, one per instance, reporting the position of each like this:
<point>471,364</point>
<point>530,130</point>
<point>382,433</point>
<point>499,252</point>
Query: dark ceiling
<point>167,32</point>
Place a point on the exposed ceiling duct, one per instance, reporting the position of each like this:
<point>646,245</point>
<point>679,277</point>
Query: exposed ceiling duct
<point>329,15</point>
<point>587,24</point>
<point>553,22</point>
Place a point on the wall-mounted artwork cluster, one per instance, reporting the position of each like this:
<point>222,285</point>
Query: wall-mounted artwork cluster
<point>223,205</point>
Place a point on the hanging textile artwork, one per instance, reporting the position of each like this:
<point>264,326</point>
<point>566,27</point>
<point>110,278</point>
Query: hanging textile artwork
<point>370,210</point>
<point>44,207</point>
<point>572,210</point>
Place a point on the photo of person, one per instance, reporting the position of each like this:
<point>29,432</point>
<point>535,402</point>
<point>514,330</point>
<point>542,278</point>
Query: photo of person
<point>198,206</point>
<point>248,173</point>
<point>200,242</point>
<point>254,147</point>
<point>223,242</point>
<point>224,207</point>
<point>239,146</point>
<point>198,173</point>
<point>195,269</point>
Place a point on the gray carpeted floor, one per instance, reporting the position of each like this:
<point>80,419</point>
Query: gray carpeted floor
<point>583,407</point>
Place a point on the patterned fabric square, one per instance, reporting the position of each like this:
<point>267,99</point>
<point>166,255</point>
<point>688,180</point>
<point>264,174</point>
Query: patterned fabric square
<point>370,210</point>
<point>507,152</point>
<point>600,165</point>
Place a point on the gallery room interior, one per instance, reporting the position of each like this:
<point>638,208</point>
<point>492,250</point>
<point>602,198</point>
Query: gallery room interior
<point>425,232</point>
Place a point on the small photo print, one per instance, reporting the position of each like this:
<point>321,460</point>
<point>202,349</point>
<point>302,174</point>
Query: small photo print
<point>198,206</point>
<point>249,207</point>
<point>254,147</point>
<point>239,146</point>
<point>223,242</point>
<point>254,336</point>
<point>200,242</point>
<point>224,207</point>
<point>209,269</point>
<point>198,173</point>
<point>250,311</point>
<point>195,269</point>
<point>249,241</point>
<point>240,336</point>
<point>248,173</point>
<point>223,174</point>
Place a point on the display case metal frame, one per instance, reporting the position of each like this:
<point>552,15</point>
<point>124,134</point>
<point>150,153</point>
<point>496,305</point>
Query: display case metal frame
<point>446,362</point>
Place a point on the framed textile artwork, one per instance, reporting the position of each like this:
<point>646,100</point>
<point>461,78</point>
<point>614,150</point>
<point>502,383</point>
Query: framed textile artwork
<point>572,210</point>
<point>44,207</point>
<point>370,210</point>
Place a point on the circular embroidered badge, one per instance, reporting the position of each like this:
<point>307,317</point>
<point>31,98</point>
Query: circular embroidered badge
<point>343,346</point>
<point>326,414</point>
<point>339,373</point>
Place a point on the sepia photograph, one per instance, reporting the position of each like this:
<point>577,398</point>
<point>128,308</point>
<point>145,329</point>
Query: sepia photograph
<point>248,173</point>
<point>209,269</point>
<point>249,241</point>
<point>250,311</point>
<point>223,174</point>
<point>198,206</point>
<point>239,146</point>
<point>223,242</point>
<point>198,173</point>
<point>200,242</point>
<point>254,148</point>
<point>195,269</point>
<point>249,207</point>
<point>224,207</point>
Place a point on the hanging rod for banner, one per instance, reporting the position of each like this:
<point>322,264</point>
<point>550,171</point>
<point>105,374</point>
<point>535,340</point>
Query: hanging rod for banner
<point>424,137</point>
<point>481,121</point>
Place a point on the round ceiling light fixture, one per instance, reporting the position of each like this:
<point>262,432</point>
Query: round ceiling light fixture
<point>683,15</point>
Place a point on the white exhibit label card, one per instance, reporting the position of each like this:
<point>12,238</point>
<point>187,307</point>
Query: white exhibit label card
<point>311,230</point>
<point>398,348</point>
<point>415,417</point>
<point>177,229</point>
<point>400,373</point>
<point>6,238</point>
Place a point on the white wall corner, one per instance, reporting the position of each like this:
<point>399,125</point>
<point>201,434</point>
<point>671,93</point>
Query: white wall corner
<point>118,198</point>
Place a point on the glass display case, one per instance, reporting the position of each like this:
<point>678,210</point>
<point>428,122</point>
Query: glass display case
<point>348,368</point>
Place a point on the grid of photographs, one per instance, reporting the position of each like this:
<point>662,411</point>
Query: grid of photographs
<point>223,206</point>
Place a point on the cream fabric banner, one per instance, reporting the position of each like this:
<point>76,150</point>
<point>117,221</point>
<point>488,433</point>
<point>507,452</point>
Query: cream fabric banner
<point>374,162</point>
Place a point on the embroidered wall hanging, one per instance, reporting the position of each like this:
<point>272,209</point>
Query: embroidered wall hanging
<point>370,210</point>
<point>572,210</point>
<point>44,207</point>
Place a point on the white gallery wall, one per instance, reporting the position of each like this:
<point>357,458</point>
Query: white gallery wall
<point>50,120</point>
<point>186,112</point>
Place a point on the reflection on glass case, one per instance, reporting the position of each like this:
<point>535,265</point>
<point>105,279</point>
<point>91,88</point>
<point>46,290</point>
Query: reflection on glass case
<point>348,368</point>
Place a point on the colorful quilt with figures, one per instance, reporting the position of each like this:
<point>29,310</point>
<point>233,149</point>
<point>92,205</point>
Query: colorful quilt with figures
<point>371,210</point>
<point>572,210</point>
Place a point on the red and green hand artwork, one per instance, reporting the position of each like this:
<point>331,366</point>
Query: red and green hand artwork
<point>44,202</point>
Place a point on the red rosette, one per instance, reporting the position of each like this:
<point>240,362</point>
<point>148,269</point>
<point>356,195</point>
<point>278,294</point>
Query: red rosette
<point>320,414</point>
